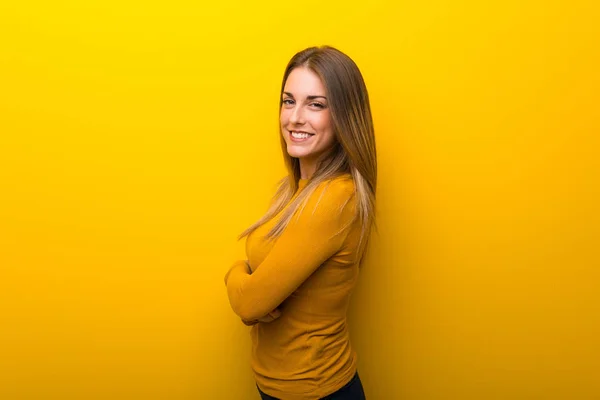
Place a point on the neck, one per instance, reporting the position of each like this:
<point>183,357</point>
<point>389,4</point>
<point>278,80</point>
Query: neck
<point>307,168</point>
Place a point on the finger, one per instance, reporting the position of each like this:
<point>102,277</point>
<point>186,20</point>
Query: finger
<point>266,318</point>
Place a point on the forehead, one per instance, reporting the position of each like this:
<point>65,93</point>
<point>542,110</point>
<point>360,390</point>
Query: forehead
<point>304,82</point>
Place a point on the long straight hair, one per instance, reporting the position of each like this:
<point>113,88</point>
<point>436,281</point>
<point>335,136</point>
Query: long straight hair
<point>354,152</point>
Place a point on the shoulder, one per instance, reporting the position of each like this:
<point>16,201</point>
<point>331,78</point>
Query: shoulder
<point>341,186</point>
<point>334,195</point>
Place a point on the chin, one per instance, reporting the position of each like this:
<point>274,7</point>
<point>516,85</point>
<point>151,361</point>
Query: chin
<point>296,154</point>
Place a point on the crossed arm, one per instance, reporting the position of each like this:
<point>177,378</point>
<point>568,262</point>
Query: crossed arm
<point>270,317</point>
<point>308,241</point>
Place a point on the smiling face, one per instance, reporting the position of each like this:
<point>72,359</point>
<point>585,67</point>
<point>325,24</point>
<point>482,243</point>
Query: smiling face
<point>306,119</point>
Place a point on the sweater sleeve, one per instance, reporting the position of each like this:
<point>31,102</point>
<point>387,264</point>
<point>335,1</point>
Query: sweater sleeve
<point>313,235</point>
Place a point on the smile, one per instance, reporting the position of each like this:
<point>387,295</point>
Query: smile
<point>300,136</point>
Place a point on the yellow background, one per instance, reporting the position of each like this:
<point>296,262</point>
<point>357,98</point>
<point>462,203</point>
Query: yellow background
<point>137,139</point>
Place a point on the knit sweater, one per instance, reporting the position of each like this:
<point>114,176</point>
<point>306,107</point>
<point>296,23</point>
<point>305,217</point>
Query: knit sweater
<point>308,273</point>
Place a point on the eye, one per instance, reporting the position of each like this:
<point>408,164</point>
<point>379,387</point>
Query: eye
<point>288,102</point>
<point>318,105</point>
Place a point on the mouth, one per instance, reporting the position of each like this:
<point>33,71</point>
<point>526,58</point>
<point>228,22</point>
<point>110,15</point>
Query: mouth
<point>300,136</point>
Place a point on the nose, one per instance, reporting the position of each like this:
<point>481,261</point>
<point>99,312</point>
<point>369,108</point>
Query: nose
<point>297,115</point>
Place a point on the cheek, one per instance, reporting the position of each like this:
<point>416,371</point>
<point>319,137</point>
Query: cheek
<point>325,126</point>
<point>283,118</point>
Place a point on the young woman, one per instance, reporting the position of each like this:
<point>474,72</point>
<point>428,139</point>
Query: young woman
<point>304,253</point>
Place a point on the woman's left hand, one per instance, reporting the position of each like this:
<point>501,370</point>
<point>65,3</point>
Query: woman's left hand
<point>270,317</point>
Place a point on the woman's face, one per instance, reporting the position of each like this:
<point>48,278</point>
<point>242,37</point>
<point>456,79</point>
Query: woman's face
<point>306,119</point>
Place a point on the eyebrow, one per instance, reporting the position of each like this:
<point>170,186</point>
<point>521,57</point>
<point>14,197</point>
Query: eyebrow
<point>308,97</point>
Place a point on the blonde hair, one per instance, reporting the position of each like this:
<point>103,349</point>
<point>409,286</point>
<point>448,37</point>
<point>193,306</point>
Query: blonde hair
<point>354,152</point>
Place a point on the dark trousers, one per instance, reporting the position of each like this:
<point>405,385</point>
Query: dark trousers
<point>353,390</point>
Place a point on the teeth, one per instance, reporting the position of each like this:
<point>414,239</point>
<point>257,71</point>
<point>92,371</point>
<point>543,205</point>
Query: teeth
<point>300,135</point>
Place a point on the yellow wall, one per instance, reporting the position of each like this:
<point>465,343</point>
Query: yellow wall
<point>138,139</point>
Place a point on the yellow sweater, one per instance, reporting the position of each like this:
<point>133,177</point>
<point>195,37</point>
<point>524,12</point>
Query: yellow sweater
<point>308,273</point>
